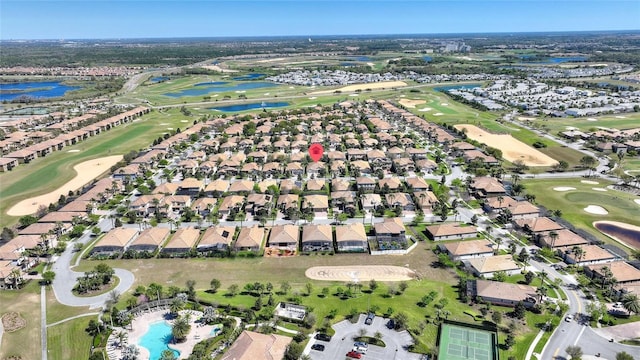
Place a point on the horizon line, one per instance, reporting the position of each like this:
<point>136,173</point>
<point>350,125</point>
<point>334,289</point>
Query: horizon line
<point>328,36</point>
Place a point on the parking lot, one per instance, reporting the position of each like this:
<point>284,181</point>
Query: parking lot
<point>345,332</point>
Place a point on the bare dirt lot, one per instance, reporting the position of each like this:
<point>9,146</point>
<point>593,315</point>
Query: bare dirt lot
<point>512,149</point>
<point>409,103</point>
<point>377,85</point>
<point>12,321</point>
<point>360,273</point>
<point>86,171</point>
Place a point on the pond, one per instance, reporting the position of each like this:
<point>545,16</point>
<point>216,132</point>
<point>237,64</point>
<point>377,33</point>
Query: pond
<point>218,87</point>
<point>446,88</point>
<point>363,58</point>
<point>427,58</point>
<point>157,340</point>
<point>627,233</point>
<point>252,76</point>
<point>252,106</point>
<point>35,89</point>
<point>553,60</point>
<point>158,79</point>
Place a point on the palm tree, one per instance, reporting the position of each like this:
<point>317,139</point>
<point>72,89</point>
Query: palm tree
<point>543,275</point>
<point>554,236</point>
<point>498,242</point>
<point>579,253</point>
<point>180,329</point>
<point>542,292</point>
<point>176,306</point>
<point>631,303</point>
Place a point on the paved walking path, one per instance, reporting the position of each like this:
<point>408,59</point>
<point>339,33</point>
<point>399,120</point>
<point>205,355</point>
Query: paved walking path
<point>43,321</point>
<point>73,317</point>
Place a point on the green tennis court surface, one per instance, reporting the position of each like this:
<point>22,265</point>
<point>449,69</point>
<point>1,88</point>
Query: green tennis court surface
<point>463,343</point>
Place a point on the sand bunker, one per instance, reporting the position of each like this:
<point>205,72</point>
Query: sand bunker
<point>599,189</point>
<point>438,114</point>
<point>512,149</point>
<point>313,98</point>
<point>425,109</point>
<point>218,68</point>
<point>73,151</point>
<point>592,119</point>
<point>86,171</point>
<point>621,117</point>
<point>360,273</point>
<point>444,104</point>
<point>589,182</point>
<point>377,85</point>
<point>637,201</point>
<point>596,210</point>
<point>522,118</point>
<point>563,188</point>
<point>411,103</point>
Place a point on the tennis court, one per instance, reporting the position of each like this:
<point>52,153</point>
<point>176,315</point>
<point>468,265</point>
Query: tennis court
<point>463,343</point>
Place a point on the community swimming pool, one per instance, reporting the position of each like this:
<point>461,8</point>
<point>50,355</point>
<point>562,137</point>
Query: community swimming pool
<point>156,340</point>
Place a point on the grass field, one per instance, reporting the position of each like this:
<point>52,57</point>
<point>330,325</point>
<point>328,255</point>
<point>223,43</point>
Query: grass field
<point>69,340</point>
<point>620,122</point>
<point>26,341</point>
<point>45,174</point>
<point>619,204</point>
<point>455,113</point>
<point>57,312</point>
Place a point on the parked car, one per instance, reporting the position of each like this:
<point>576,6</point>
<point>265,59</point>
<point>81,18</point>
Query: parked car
<point>354,355</point>
<point>360,349</point>
<point>361,344</point>
<point>569,318</point>
<point>318,347</point>
<point>369,319</point>
<point>323,337</point>
<point>391,324</point>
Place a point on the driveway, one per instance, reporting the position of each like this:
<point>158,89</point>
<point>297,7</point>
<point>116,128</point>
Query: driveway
<point>341,343</point>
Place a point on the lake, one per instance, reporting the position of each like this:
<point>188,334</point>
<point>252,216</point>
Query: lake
<point>427,58</point>
<point>158,79</point>
<point>362,58</point>
<point>36,89</point>
<point>218,87</point>
<point>554,60</point>
<point>456,87</point>
<point>627,233</point>
<point>252,106</point>
<point>249,77</point>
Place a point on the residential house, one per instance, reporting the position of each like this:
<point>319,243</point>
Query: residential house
<point>392,184</point>
<point>216,239</point>
<point>216,187</point>
<point>317,238</point>
<point>622,271</point>
<point>231,203</point>
<point>401,200</point>
<point>284,237</point>
<point>351,238</point>
<point>249,239</point>
<point>241,187</point>
<point>425,200</point>
<point>538,226</point>
<point>7,164</point>
<point>486,187</point>
<point>287,201</point>
<point>370,201</point>
<point>561,239</point>
<point>364,184</point>
<point>204,206</point>
<point>450,231</point>
<point>315,185</point>
<point>464,250</point>
<point>501,293</point>
<point>257,204</point>
<point>417,184</point>
<point>150,239</point>
<point>182,242</point>
<point>318,203</point>
<point>390,234</point>
<point>115,241</point>
<point>255,346</point>
<point>487,266</point>
<point>591,254</point>
<point>426,166</point>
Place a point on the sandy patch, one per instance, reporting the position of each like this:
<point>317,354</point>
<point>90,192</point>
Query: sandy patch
<point>512,149</point>
<point>85,172</point>
<point>570,128</point>
<point>599,189</point>
<point>169,128</point>
<point>359,273</point>
<point>377,85</point>
<point>563,188</point>
<point>266,94</point>
<point>371,64</point>
<point>522,118</point>
<point>411,103</point>
<point>592,119</point>
<point>218,68</point>
<point>291,87</point>
<point>74,151</point>
<point>596,210</point>
<point>164,124</point>
<point>241,91</point>
<point>444,104</point>
<point>184,121</point>
<point>637,201</point>
<point>425,109</point>
<point>313,98</point>
<point>590,182</point>
<point>621,117</point>
<point>438,114</point>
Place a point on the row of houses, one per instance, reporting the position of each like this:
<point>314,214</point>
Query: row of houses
<point>307,238</point>
<point>42,149</point>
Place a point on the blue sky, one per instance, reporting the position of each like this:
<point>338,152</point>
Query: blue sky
<point>89,19</point>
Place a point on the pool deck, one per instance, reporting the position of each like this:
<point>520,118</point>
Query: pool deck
<point>140,326</point>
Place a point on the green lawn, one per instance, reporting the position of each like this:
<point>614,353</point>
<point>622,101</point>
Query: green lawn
<point>619,204</point>
<point>619,121</point>
<point>69,340</point>
<point>57,312</point>
<point>48,173</point>
<point>25,342</point>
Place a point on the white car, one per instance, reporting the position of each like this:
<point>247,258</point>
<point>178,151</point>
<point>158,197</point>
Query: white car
<point>569,318</point>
